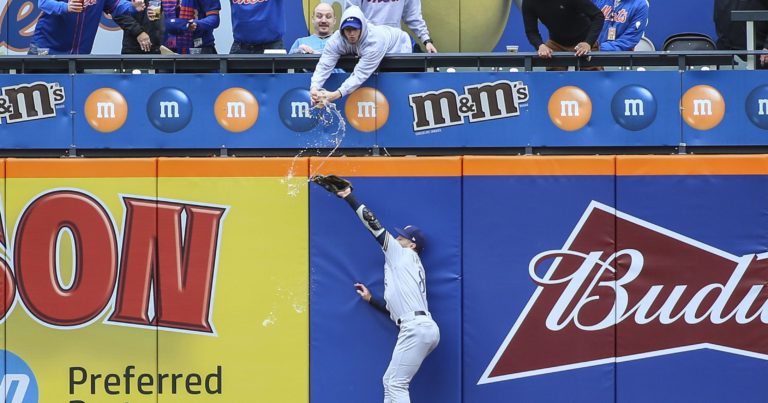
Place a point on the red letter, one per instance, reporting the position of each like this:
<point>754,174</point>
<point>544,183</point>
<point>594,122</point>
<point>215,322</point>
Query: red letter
<point>180,263</point>
<point>7,287</point>
<point>6,279</point>
<point>95,258</point>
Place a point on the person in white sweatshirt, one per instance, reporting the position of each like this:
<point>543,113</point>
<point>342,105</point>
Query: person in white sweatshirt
<point>356,36</point>
<point>390,13</point>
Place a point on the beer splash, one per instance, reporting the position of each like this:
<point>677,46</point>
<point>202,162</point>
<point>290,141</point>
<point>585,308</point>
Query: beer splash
<point>330,131</point>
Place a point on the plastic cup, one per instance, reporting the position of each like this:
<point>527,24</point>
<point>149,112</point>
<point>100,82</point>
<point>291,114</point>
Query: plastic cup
<point>155,5</point>
<point>512,48</point>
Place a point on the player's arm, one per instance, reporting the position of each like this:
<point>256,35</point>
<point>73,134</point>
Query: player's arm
<point>366,295</point>
<point>343,188</point>
<point>366,216</point>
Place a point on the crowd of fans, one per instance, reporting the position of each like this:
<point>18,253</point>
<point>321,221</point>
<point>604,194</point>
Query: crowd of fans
<point>186,26</point>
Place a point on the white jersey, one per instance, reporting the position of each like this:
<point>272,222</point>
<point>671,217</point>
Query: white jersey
<point>405,286</point>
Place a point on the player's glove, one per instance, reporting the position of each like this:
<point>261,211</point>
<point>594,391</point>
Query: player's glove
<point>332,183</point>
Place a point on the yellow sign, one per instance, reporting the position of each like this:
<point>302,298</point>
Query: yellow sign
<point>171,280</point>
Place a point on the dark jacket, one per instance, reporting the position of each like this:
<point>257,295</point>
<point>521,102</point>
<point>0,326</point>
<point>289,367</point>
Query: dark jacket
<point>135,24</point>
<point>733,35</point>
<point>568,21</point>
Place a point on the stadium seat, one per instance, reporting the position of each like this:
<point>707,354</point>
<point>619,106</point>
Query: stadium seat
<point>645,45</point>
<point>688,41</point>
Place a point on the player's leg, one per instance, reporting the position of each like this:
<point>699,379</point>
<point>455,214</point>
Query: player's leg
<point>417,338</point>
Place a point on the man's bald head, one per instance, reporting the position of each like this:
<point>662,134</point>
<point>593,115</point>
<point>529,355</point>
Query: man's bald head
<point>323,19</point>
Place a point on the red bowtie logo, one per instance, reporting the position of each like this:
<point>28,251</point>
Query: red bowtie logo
<point>645,291</point>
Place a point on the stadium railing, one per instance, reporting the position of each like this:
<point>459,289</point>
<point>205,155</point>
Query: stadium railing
<point>524,61</point>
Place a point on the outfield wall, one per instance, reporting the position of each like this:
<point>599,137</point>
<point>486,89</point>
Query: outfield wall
<point>579,279</point>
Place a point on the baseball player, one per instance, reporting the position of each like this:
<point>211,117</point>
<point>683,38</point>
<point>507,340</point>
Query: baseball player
<point>405,293</point>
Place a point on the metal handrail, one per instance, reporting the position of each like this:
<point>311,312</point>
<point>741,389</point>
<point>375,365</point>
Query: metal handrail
<point>421,62</point>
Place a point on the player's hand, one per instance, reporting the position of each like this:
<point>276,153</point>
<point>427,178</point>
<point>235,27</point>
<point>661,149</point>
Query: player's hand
<point>362,290</point>
<point>192,27</point>
<point>545,52</point>
<point>144,42</point>
<point>582,49</point>
<point>764,59</point>
<point>138,5</point>
<point>75,6</point>
<point>431,48</point>
<point>306,49</point>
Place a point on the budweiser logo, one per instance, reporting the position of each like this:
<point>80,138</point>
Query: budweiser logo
<point>624,289</point>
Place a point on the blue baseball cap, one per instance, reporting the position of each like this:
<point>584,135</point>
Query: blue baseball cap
<point>414,234</point>
<point>351,22</point>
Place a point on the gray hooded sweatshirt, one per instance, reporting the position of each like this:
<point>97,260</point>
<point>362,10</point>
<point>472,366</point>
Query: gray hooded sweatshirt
<point>375,41</point>
<point>391,12</point>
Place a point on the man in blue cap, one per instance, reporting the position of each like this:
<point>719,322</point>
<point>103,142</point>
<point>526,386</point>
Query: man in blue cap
<point>405,293</point>
<point>355,37</point>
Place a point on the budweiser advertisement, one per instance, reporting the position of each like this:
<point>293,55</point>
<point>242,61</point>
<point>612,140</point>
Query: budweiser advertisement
<point>628,279</point>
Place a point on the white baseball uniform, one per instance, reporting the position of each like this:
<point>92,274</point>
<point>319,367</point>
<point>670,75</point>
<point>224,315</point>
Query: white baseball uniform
<point>405,290</point>
<point>405,293</point>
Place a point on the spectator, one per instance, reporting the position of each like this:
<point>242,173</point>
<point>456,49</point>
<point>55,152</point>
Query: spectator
<point>70,27</point>
<point>733,35</point>
<point>574,26</point>
<point>390,13</point>
<point>323,21</point>
<point>625,23</point>
<point>257,25</point>
<point>143,32</point>
<point>189,25</point>
<point>356,36</point>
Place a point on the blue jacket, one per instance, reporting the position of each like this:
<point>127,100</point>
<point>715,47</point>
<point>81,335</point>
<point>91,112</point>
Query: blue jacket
<point>63,32</point>
<point>257,21</point>
<point>207,12</point>
<point>630,18</point>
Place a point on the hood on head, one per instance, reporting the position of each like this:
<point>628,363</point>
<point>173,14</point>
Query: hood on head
<point>356,12</point>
